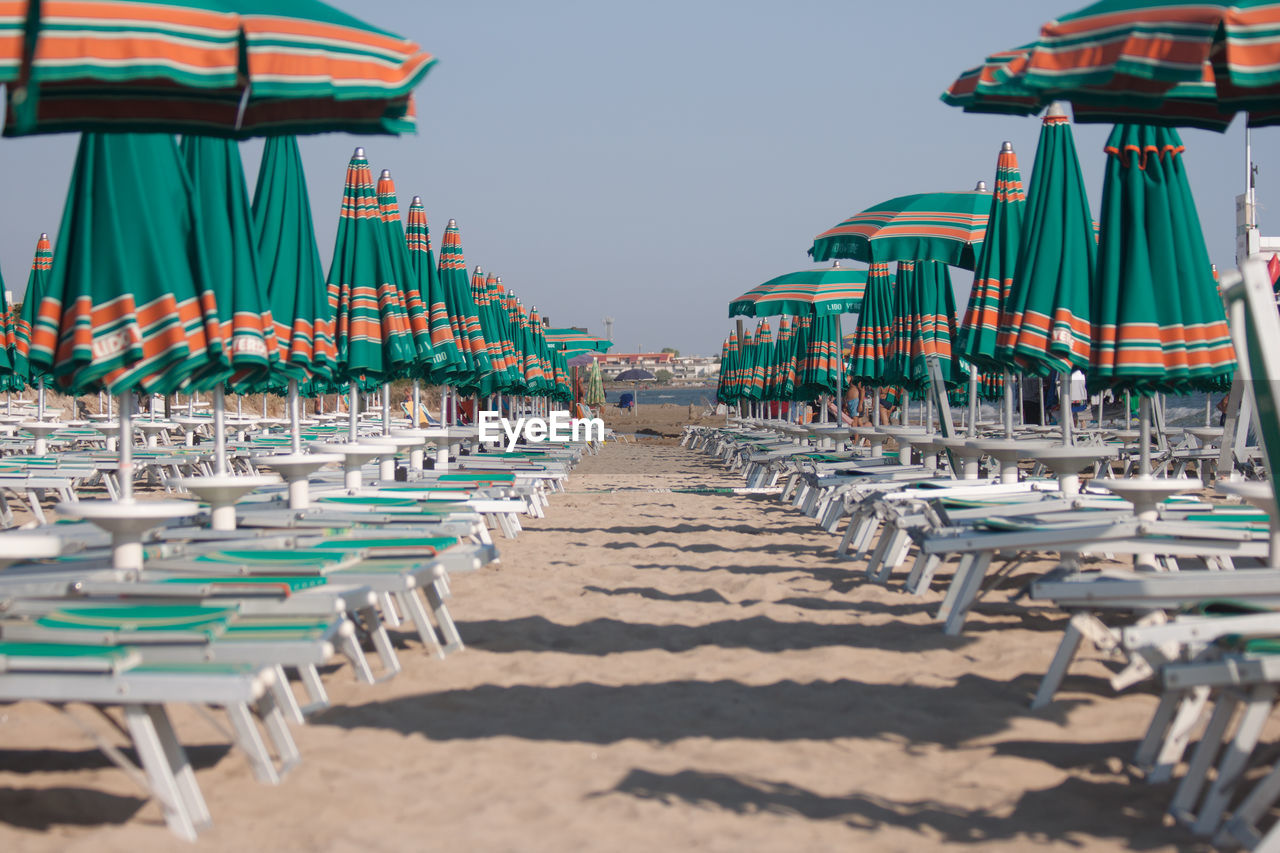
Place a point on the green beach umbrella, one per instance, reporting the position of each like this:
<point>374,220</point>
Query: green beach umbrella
<point>924,325</point>
<point>205,66</point>
<point>828,291</point>
<point>574,341</point>
<point>780,379</point>
<point>1159,323</point>
<point>871,339</point>
<point>1046,326</point>
<point>463,313</point>
<point>125,309</point>
<point>37,287</point>
<point>291,272</point>
<point>374,342</point>
<point>447,360</point>
<point>821,349</point>
<point>943,226</point>
<point>225,234</point>
<point>595,386</point>
<point>498,378</point>
<point>993,278</point>
<point>409,298</point>
<point>763,360</point>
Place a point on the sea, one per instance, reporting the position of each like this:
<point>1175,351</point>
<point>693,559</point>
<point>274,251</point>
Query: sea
<point>680,395</point>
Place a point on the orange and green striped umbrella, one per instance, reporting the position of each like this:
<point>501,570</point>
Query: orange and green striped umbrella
<point>993,278</point>
<point>1159,323</point>
<point>1046,324</point>
<point>783,381</point>
<point>828,291</point>
<point>872,338</point>
<point>408,296</point>
<point>574,341</point>
<point>227,247</point>
<point>722,381</point>
<point>127,308</point>
<point>447,360</point>
<point>464,315</point>
<point>374,341</point>
<point>817,349</point>
<point>216,67</point>
<point>946,226</point>
<point>924,324</point>
<point>292,274</point>
<point>37,287</point>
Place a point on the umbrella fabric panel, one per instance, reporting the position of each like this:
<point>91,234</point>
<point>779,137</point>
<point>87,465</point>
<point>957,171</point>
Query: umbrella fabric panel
<point>409,298</point>
<point>993,279</point>
<point>464,316</point>
<point>447,359</point>
<point>871,338</point>
<point>1160,324</point>
<point>829,291</point>
<point>37,286</point>
<point>945,226</point>
<point>126,308</point>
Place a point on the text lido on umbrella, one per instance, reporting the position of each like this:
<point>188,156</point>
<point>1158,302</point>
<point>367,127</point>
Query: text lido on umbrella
<point>559,427</point>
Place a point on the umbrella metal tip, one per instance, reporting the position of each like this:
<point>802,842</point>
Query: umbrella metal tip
<point>386,174</point>
<point>1006,148</point>
<point>359,152</point>
<point>1055,110</point>
<point>453,223</point>
<point>981,187</point>
<point>44,236</point>
<point>417,199</point>
<point>835,265</point>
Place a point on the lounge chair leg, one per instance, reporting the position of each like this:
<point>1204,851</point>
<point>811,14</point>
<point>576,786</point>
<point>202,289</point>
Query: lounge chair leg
<point>1235,759</point>
<point>158,759</point>
<point>285,698</point>
<point>350,646</point>
<point>315,689</point>
<point>922,572</point>
<point>278,733</point>
<point>1242,829</point>
<point>381,643</point>
<point>970,589</point>
<point>249,739</point>
<point>1176,734</point>
<point>1206,750</point>
<point>413,605</point>
<point>448,630</point>
<point>390,613</point>
<point>1058,667</point>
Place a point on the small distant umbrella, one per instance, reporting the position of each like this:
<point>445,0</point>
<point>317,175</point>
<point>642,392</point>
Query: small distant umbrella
<point>763,358</point>
<point>37,287</point>
<point>447,360</point>
<point>574,340</point>
<point>727,389</point>
<point>464,316</point>
<point>595,385</point>
<point>941,226</point>
<point>1160,324</point>
<point>827,291</point>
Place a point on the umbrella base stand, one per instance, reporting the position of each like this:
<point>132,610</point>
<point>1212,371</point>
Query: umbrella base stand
<point>126,521</point>
<point>354,457</point>
<point>396,443</point>
<point>418,453</point>
<point>297,468</point>
<point>1146,494</point>
<point>221,492</point>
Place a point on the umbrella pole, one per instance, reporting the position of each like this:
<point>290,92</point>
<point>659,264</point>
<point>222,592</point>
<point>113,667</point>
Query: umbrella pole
<point>1144,437</point>
<point>264,405</point>
<point>1008,404</point>
<point>386,409</point>
<point>1044,416</point>
<point>973,403</point>
<point>1208,410</point>
<point>839,374</point>
<point>40,404</point>
<point>295,426</point>
<point>1065,413</point>
<point>353,405</point>
<point>110,406</point>
<point>126,449</point>
<point>219,431</point>
<point>417,403</point>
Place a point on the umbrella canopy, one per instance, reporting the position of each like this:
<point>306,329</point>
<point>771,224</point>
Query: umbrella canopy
<point>447,360</point>
<point>595,386</point>
<point>945,226</point>
<point>124,305</point>
<point>464,317</point>
<point>1175,64</point>
<point>781,379</point>
<point>570,340</point>
<point>408,295</point>
<point>924,324</point>
<point>290,268</point>
<point>225,237</point>
<point>828,291</point>
<point>817,349</point>
<point>223,67</point>
<point>727,384</point>
<point>1160,324</point>
<point>993,278</point>
<point>762,361</point>
<point>1046,323</point>
<point>373,336</point>
<point>635,374</point>
<point>871,340</point>
<point>37,287</point>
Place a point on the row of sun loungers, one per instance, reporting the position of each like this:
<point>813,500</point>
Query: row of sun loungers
<point>243,615</point>
<point>1181,590</point>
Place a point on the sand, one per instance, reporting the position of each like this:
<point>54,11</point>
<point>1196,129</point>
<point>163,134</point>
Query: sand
<point>651,670</point>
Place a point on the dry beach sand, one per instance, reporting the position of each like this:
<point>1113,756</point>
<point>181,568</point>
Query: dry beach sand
<point>651,670</point>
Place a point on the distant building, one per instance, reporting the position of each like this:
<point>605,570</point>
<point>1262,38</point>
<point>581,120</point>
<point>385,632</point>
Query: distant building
<point>693,368</point>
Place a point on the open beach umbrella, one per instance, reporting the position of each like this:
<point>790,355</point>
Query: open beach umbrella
<point>213,67</point>
<point>408,295</point>
<point>37,287</point>
<point>1173,64</point>
<point>1159,323</point>
<point>871,339</point>
<point>124,310</point>
<point>373,338</point>
<point>291,272</point>
<point>1046,326</point>
<point>834,290</point>
<point>993,277</point>
<point>942,226</point>
<point>447,360</point>
<point>570,341</point>
<point>225,236</point>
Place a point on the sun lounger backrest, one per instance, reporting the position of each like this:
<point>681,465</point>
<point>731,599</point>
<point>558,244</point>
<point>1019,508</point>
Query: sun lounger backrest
<point>1255,330</point>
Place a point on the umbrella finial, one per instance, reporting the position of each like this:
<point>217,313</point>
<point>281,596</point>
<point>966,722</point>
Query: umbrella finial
<point>44,236</point>
<point>1006,147</point>
<point>359,151</point>
<point>417,199</point>
<point>835,265</point>
<point>453,223</point>
<point>478,270</point>
<point>981,187</point>
<point>386,174</point>
<point>1055,111</point>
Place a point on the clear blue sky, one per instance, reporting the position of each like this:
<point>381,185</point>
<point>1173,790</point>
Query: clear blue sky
<point>650,161</point>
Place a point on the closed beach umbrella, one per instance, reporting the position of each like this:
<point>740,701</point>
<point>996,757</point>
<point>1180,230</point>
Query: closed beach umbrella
<point>1046,326</point>
<point>291,272</point>
<point>37,287</point>
<point>373,337</point>
<point>124,307</point>
<point>943,226</point>
<point>225,234</point>
<point>763,360</point>
<point>1160,324</point>
<point>463,312</point>
<point>820,373</point>
<point>829,291</point>
<point>409,297</point>
<point>871,339</point>
<point>447,360</point>
<point>595,385</point>
<point>993,278</point>
<point>205,66</point>
<point>727,390</point>
<point>924,325</point>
